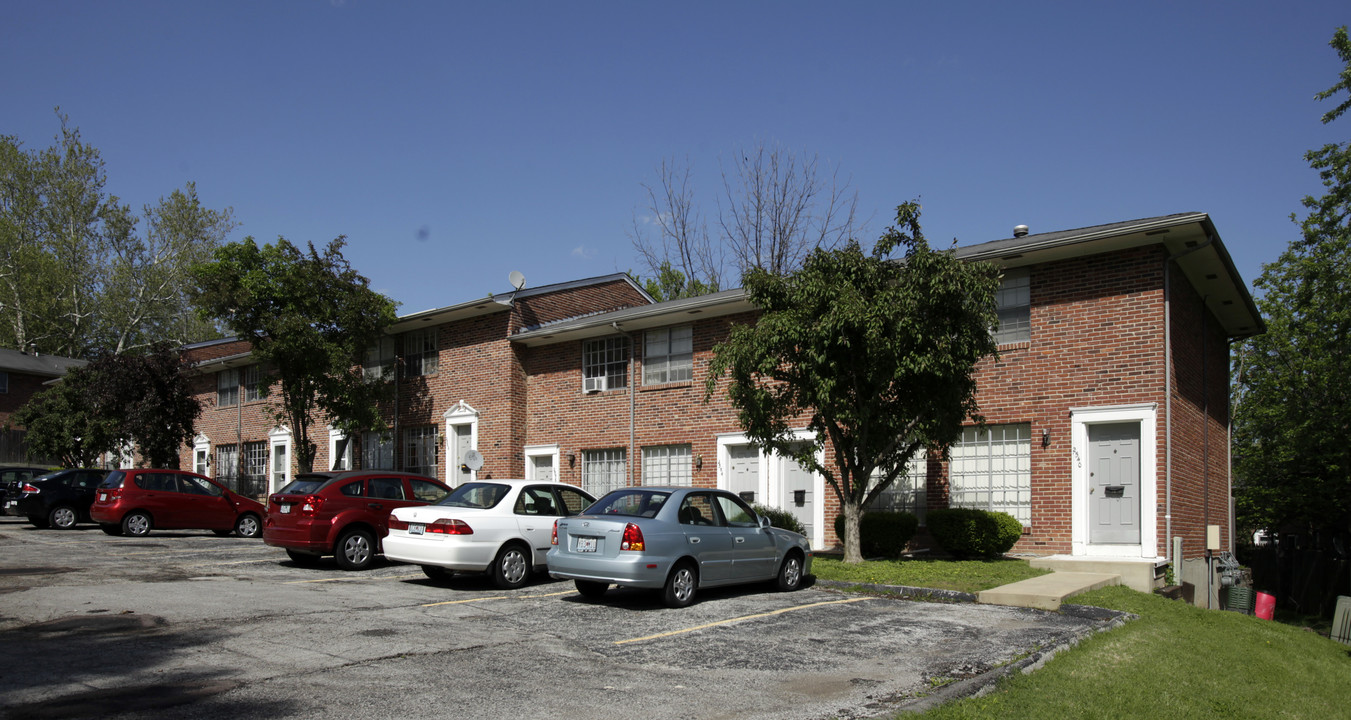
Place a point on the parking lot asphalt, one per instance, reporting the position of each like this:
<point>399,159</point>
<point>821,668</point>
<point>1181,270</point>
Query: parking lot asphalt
<point>210,627</point>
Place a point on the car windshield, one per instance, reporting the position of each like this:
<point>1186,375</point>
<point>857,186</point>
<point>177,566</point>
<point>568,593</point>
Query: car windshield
<point>633,501</point>
<point>476,495</point>
<point>114,479</point>
<point>304,485</point>
<point>48,476</point>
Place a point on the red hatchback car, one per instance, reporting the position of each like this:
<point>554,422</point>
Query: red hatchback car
<point>132,501</point>
<point>342,514</point>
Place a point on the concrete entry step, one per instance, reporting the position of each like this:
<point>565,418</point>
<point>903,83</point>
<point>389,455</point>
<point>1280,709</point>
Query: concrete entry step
<point>1046,592</point>
<point>1136,573</point>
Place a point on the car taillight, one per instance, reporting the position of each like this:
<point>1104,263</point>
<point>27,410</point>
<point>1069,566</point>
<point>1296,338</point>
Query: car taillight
<point>633,538</point>
<point>113,493</point>
<point>28,488</point>
<point>397,524</point>
<point>554,540</point>
<point>446,526</point>
<point>312,503</point>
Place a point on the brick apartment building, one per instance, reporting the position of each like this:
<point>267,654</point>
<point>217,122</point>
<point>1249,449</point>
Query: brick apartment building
<point>1106,412</point>
<point>23,375</point>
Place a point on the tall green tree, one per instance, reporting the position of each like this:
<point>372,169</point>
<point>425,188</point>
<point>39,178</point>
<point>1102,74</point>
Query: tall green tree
<point>1292,414</point>
<point>310,318</point>
<point>66,423</point>
<point>875,357</point>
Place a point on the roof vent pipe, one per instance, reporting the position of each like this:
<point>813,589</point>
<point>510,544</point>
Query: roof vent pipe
<point>1019,231</point>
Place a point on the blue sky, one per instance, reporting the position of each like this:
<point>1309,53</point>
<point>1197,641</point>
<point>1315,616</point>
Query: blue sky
<point>455,142</point>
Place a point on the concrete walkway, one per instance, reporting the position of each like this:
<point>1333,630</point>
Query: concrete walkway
<point>1046,592</point>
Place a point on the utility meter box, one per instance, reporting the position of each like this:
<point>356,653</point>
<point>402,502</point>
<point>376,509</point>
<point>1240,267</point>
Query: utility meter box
<point>1213,537</point>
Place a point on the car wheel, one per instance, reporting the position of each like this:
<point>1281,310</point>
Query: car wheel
<point>511,569</point>
<point>136,524</point>
<point>247,526</point>
<point>790,573</point>
<point>680,586</point>
<point>303,558</point>
<point>63,517</point>
<point>38,521</point>
<point>110,529</point>
<point>436,572</point>
<point>590,588</point>
<point>355,550</point>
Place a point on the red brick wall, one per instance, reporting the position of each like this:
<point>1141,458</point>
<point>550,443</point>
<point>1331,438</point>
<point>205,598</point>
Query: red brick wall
<point>22,387</point>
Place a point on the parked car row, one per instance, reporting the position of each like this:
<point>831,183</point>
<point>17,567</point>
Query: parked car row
<point>675,540</point>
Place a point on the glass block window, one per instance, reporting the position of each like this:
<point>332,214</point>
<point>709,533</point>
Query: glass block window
<point>668,465</point>
<point>227,464</point>
<point>1013,302</point>
<point>991,469</point>
<point>227,388</point>
<point>604,470</point>
<point>605,364</point>
<point>419,450</point>
<point>377,451</point>
<point>253,383</point>
<point>668,355</point>
<point>419,353</point>
<point>908,492</point>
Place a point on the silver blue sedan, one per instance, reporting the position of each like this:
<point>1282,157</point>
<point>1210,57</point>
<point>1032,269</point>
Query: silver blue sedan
<point>676,539</point>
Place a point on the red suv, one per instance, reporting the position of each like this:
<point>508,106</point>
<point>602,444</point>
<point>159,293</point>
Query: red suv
<point>132,501</point>
<point>342,514</point>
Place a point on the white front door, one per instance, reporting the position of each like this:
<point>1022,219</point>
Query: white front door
<point>743,476</point>
<point>462,443</point>
<point>542,468</point>
<point>796,493</point>
<point>1114,483</point>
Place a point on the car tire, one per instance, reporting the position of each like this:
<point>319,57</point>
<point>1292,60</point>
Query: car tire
<point>591,589</point>
<point>38,521</point>
<point>790,573</point>
<point>355,550</point>
<point>136,524</point>
<point>303,559</point>
<point>680,585</point>
<point>437,573</point>
<point>63,517</point>
<point>511,567</point>
<point>248,526</point>
<point>110,529</point>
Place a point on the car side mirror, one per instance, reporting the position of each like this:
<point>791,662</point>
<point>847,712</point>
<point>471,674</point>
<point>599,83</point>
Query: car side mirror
<point>764,522</point>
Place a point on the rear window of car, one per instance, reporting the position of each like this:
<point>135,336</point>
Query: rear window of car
<point>634,502</point>
<point>114,479</point>
<point>476,495</point>
<point>304,485</point>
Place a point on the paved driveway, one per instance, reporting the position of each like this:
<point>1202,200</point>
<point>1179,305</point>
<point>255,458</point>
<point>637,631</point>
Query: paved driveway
<point>211,627</point>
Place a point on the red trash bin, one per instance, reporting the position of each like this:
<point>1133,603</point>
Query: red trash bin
<point>1266,606</point>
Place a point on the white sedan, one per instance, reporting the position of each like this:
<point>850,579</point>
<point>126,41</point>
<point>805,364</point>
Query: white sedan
<point>501,527</point>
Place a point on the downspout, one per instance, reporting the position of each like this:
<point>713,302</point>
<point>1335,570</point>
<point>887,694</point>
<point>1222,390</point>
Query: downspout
<point>628,466</point>
<point>1168,395</point>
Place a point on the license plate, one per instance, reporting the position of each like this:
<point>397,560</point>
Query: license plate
<point>103,496</point>
<point>284,508</point>
<point>416,528</point>
<point>586,544</point>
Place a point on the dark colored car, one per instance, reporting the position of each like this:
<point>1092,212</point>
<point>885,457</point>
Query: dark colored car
<point>11,480</point>
<point>345,515</point>
<point>59,499</point>
<point>132,501</point>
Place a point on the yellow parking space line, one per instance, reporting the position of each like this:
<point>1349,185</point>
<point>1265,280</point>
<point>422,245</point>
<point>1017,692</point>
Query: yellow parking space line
<point>352,579</point>
<point>499,597</point>
<point>739,619</point>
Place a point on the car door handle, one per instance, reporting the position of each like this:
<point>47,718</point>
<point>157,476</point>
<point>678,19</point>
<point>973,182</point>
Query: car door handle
<point>741,539</point>
<point>694,541</point>
<point>374,506</point>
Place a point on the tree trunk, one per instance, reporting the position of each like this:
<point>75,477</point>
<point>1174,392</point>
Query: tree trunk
<point>852,552</point>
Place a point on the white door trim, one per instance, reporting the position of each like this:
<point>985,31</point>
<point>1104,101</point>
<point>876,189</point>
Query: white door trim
<point>279,437</point>
<point>461,413</point>
<point>771,477</point>
<point>532,451</point>
<point>1080,419</point>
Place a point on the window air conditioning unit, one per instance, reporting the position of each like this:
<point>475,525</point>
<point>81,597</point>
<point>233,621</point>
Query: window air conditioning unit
<point>593,384</point>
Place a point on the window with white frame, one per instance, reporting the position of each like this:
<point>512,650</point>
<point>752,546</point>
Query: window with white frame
<point>227,464</point>
<point>253,383</point>
<point>668,355</point>
<point>604,470</point>
<point>1013,303</point>
<point>419,353</point>
<point>227,388</point>
<point>991,469</point>
<point>605,364</point>
<point>419,450</point>
<point>379,362</point>
<point>668,465</point>
<point>908,492</point>
<point>255,460</point>
<point>377,451</point>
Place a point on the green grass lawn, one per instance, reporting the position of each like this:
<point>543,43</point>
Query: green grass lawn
<point>1175,661</point>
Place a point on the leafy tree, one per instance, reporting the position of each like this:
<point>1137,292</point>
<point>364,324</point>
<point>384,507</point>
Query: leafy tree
<point>1292,404</point>
<point>65,422</point>
<point>876,356</point>
<point>309,318</point>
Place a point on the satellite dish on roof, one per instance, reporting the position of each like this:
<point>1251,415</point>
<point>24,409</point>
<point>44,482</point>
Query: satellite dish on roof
<point>516,279</point>
<point>473,460</point>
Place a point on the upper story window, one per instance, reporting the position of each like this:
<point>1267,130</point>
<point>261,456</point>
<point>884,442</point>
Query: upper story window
<point>668,355</point>
<point>253,383</point>
<point>1013,302</point>
<point>419,353</point>
<point>227,388</point>
<point>605,364</point>
<point>379,362</point>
